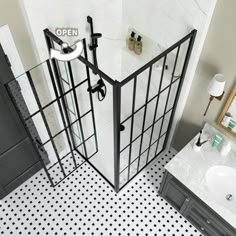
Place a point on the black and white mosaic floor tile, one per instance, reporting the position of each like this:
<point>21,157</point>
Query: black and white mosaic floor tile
<point>84,204</point>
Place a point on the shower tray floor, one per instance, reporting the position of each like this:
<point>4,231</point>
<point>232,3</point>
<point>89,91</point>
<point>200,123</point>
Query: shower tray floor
<point>84,204</point>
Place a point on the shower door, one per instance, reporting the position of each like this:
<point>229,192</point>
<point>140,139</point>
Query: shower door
<point>77,71</point>
<point>145,104</point>
<point>78,104</point>
<point>60,107</point>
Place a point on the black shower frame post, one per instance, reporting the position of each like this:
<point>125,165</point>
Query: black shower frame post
<point>116,127</point>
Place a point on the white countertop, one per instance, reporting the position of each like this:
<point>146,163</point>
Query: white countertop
<point>190,167</point>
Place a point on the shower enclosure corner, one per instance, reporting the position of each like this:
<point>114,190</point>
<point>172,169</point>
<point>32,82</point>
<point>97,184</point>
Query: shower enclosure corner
<point>142,109</point>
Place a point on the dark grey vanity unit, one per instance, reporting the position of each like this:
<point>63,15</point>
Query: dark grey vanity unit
<point>194,209</point>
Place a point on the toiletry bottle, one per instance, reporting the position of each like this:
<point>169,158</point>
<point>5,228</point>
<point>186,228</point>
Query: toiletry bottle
<point>131,41</point>
<point>138,46</point>
<point>225,148</point>
<point>217,140</point>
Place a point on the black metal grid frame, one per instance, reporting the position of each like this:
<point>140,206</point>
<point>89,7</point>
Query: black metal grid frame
<point>67,124</point>
<point>56,80</point>
<point>50,40</point>
<point>117,87</point>
<point>190,38</point>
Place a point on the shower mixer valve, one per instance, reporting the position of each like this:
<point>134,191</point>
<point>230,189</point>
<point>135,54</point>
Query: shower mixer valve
<point>100,88</point>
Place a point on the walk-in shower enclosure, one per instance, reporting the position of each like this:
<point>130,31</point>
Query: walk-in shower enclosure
<point>143,103</point>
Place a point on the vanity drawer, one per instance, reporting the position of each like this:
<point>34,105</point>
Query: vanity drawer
<point>175,193</point>
<point>206,221</point>
<point>198,223</point>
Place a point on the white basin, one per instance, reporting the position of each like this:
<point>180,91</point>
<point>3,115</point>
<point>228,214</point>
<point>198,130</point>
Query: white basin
<point>221,182</point>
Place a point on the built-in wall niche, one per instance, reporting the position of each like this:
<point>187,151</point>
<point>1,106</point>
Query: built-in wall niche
<point>227,119</point>
<point>150,49</point>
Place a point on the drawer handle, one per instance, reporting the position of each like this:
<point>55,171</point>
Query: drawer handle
<point>187,200</point>
<point>208,222</point>
<point>202,229</point>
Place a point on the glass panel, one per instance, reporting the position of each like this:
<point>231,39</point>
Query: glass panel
<point>103,160</point>
<point>54,112</point>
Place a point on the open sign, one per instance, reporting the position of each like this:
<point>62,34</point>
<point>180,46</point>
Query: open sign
<point>66,31</point>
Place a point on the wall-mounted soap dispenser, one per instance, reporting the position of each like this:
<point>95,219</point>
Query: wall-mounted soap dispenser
<point>138,47</point>
<point>131,41</point>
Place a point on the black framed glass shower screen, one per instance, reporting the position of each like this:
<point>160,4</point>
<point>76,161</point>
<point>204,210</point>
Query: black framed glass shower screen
<point>58,117</point>
<point>146,102</point>
<point>153,95</point>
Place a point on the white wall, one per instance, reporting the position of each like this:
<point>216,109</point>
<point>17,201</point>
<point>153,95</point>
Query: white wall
<point>218,56</point>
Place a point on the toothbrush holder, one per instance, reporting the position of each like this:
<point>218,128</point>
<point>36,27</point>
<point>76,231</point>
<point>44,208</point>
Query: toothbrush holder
<point>196,147</point>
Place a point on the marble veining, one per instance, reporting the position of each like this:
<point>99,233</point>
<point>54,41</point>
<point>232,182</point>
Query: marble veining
<point>200,7</point>
<point>190,167</point>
